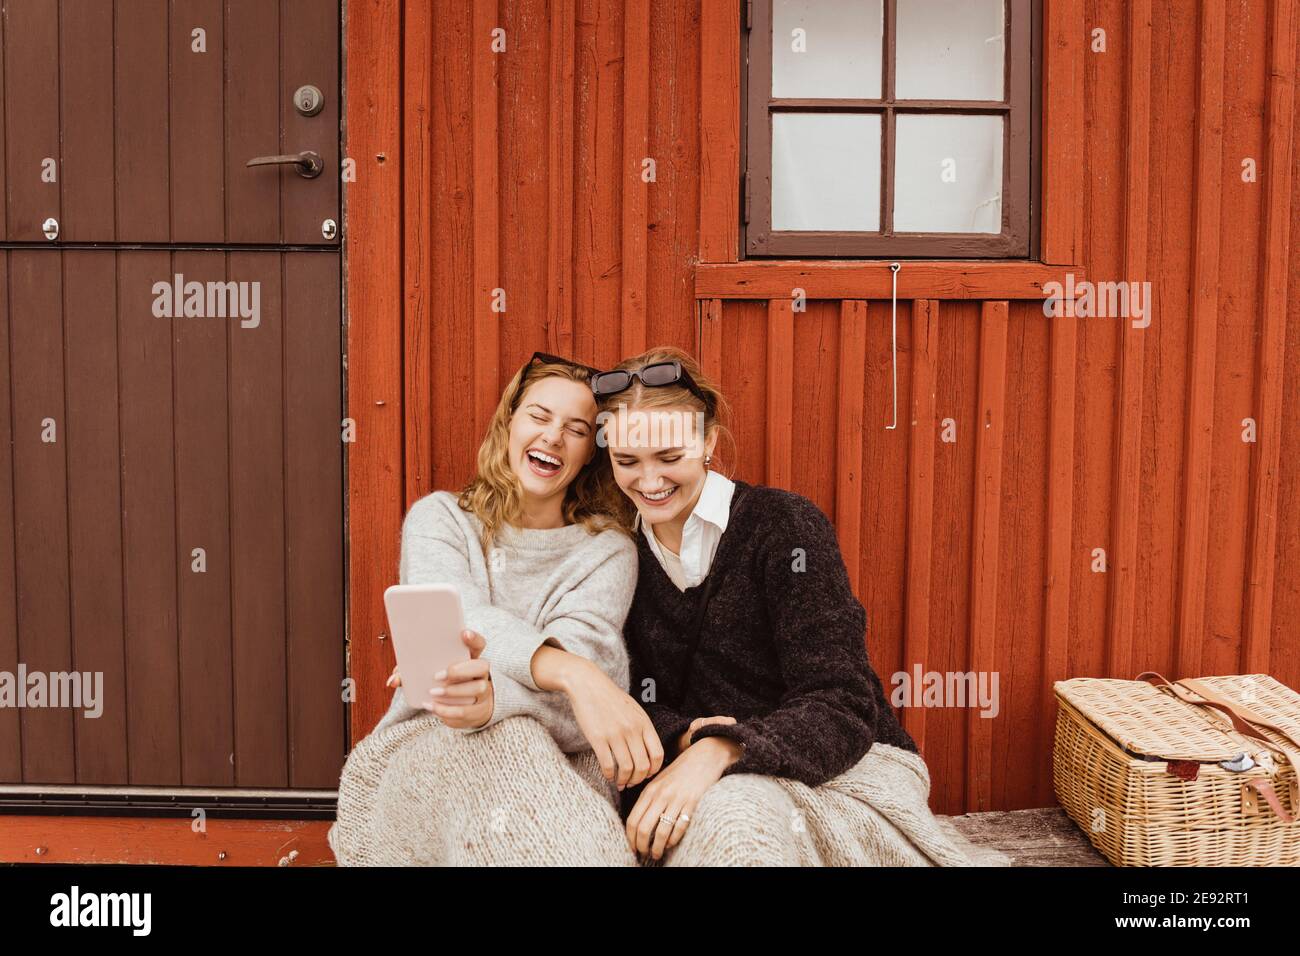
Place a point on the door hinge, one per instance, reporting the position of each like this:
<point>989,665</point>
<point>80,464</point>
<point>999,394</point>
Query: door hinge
<point>745,194</point>
<point>749,14</point>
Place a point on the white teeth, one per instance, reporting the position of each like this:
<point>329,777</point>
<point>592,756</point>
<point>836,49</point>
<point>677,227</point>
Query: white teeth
<point>660,495</point>
<point>549,459</point>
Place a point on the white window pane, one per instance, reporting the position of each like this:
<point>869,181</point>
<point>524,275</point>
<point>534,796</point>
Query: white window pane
<point>948,173</point>
<point>826,171</point>
<point>826,48</point>
<point>950,50</point>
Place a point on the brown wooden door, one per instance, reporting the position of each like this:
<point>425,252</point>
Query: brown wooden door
<point>171,501</point>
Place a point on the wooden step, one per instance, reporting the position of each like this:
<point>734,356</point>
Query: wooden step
<point>1044,837</point>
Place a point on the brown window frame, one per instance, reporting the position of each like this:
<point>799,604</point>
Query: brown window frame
<point>1021,144</point>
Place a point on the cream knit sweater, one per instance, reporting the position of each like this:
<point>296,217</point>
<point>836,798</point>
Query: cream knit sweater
<point>559,586</point>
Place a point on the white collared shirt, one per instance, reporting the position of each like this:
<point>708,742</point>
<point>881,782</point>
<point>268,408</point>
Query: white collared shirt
<point>700,534</point>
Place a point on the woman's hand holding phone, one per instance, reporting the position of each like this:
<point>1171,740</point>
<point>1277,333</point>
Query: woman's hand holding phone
<point>463,697</point>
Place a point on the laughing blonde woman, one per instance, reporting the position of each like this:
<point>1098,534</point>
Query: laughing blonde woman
<point>518,754</point>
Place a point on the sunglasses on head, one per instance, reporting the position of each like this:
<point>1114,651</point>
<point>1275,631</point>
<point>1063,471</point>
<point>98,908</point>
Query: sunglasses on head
<point>547,359</point>
<point>651,376</point>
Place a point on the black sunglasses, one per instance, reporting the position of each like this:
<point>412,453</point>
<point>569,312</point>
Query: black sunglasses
<point>651,376</point>
<point>547,359</point>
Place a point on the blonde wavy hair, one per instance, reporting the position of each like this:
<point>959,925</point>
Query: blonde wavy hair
<point>496,497</point>
<point>717,412</point>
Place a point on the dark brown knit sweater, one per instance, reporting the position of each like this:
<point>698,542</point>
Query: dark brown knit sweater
<point>782,648</point>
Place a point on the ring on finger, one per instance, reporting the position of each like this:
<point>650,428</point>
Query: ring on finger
<point>664,834</point>
<point>678,831</point>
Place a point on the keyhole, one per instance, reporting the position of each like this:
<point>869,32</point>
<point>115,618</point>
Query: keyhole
<point>308,100</point>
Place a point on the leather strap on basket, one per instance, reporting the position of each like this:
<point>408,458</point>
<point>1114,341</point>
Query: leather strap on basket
<point>1265,789</point>
<point>1188,689</point>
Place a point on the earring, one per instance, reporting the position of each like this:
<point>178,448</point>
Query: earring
<point>707,459</point>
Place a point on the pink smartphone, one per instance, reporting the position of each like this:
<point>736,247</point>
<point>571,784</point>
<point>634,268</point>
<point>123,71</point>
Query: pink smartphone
<point>425,621</point>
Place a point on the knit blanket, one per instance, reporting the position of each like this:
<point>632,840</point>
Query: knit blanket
<point>874,814</point>
<point>417,793</point>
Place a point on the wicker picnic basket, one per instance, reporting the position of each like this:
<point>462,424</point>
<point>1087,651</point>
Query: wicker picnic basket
<point>1140,767</point>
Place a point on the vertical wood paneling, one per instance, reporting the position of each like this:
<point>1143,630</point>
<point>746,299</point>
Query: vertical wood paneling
<point>1276,238</point>
<point>252,120</point>
<point>86,92</point>
<point>196,108</point>
<point>151,132</point>
<point>374,306</point>
<point>957,384</point>
<point>525,179</point>
<point>882,571</point>
<point>31,81</point>
<point>149,544</point>
<point>673,242</point>
<point>451,390</point>
<point>1245,91</point>
<point>559,289</point>
<point>140,79</point>
<point>598,183</point>
<point>172,447</point>
<point>813,360</point>
<point>417,247</point>
<point>1200,400</point>
<point>309,54</point>
<point>708,351</point>
<point>920,499</point>
<point>743,380</point>
<point>1064,39</point>
<point>313,522</point>
<point>710,348</point>
<point>1102,192</point>
<point>487,332</point>
<point>1174,58</point>
<point>1126,483</point>
<point>95,507</point>
<point>1060,511</point>
<point>257,537</point>
<point>40,506</point>
<point>780,392</point>
<point>168,431</point>
<point>985,549</point>
<point>636,148</point>
<point>200,400</point>
<point>4,139</point>
<point>719,162</point>
<point>848,434</point>
<point>1018,726</point>
<point>11,757</point>
<point>1284,657</point>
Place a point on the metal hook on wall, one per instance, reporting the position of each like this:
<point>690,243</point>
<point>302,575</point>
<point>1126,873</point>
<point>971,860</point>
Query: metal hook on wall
<point>894,267</point>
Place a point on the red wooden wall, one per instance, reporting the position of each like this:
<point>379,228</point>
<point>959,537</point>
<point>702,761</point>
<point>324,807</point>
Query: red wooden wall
<point>520,171</point>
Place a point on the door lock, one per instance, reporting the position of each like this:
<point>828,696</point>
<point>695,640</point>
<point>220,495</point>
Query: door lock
<point>308,100</point>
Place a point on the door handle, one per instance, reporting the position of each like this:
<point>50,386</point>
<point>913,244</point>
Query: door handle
<point>309,164</point>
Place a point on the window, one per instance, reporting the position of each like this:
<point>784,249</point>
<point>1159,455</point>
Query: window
<point>901,128</point>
